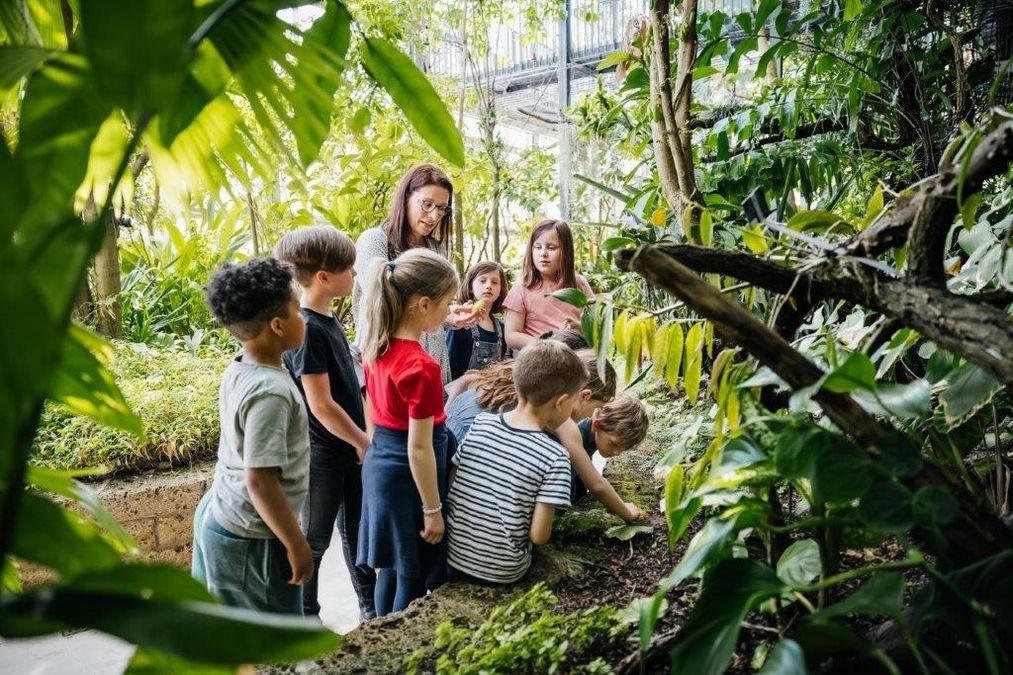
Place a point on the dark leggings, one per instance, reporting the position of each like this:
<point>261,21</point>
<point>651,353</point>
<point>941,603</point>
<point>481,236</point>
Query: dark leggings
<point>334,498</point>
<point>394,591</point>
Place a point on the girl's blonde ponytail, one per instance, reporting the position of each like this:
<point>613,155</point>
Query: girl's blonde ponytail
<point>417,272</point>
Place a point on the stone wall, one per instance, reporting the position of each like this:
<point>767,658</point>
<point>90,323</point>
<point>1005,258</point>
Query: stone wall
<point>156,509</point>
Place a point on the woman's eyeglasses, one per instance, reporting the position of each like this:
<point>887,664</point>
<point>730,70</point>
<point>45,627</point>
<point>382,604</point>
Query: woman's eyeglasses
<point>428,205</point>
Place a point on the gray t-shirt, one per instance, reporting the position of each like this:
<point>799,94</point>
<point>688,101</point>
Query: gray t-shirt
<point>264,424</point>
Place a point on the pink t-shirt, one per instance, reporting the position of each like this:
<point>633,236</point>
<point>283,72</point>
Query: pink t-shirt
<point>542,312</point>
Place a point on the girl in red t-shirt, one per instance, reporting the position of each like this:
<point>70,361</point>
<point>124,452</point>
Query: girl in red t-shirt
<point>404,474</point>
<point>548,267</point>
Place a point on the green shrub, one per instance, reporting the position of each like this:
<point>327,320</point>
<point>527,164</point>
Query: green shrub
<point>175,393</point>
<point>527,636</point>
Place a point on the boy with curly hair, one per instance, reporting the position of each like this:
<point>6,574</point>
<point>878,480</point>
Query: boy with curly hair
<point>248,547</point>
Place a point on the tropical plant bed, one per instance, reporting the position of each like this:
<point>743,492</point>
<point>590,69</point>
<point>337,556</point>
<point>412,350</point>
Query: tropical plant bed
<point>173,392</point>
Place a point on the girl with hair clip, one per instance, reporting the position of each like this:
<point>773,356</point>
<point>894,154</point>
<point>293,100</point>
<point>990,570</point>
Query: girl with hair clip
<point>404,475</point>
<point>548,267</point>
<point>484,343</point>
<point>421,212</point>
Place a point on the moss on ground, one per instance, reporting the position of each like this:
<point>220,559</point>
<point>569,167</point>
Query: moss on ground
<point>175,394</point>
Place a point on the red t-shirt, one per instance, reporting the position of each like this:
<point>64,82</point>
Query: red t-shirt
<point>404,383</point>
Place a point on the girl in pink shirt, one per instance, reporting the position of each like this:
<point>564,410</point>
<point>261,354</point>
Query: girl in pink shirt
<point>529,309</point>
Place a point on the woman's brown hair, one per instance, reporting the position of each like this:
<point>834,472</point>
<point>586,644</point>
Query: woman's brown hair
<point>467,295</point>
<point>532,278</point>
<point>396,225</point>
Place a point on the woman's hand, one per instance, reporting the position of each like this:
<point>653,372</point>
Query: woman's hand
<point>462,316</point>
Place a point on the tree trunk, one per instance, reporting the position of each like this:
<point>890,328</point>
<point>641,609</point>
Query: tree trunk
<point>254,223</point>
<point>662,136</point>
<point>683,101</point>
<point>494,215</point>
<point>459,205</point>
<point>109,309</point>
<point>108,305</point>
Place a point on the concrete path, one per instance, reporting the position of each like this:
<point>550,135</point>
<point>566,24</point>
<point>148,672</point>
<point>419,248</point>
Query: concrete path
<point>93,653</point>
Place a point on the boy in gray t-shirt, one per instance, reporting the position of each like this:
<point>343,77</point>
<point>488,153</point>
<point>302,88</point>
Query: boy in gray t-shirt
<point>248,547</point>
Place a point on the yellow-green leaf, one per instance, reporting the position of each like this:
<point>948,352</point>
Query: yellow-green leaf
<point>708,338</point>
<point>658,217</point>
<point>103,159</point>
<point>732,409</point>
<point>754,240</point>
<point>648,326</point>
<point>716,370</point>
<point>706,227</point>
<point>619,332</point>
<point>673,489</point>
<point>693,362</point>
<point>659,354</point>
<point>633,345</point>
<point>874,207</point>
<point>674,359</point>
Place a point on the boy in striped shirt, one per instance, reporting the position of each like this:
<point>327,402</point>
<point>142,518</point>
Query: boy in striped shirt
<point>510,474</point>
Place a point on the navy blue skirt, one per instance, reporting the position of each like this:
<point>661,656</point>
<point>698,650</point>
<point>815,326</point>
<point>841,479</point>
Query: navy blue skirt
<point>392,509</point>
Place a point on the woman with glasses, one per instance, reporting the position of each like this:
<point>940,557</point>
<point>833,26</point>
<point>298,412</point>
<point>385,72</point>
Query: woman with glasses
<point>420,215</point>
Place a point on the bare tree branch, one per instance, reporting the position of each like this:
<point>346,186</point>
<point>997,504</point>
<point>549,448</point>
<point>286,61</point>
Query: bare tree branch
<point>977,533</point>
<point>976,330</point>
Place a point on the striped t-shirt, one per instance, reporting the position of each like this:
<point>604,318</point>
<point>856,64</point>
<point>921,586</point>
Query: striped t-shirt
<point>501,473</point>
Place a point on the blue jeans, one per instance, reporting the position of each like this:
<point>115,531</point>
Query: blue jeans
<point>334,500</point>
<point>241,571</point>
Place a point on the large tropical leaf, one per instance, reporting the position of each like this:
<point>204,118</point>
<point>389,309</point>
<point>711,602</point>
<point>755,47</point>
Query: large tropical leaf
<point>160,607</point>
<point>416,97</point>
<point>138,50</point>
<point>707,640</point>
<point>17,61</point>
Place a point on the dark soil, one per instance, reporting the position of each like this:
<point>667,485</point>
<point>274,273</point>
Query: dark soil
<point>623,571</point>
<point>619,572</point>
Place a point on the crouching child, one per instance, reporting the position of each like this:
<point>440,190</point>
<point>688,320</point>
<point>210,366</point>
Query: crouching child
<point>248,548</point>
<point>510,475</point>
<point>618,426</point>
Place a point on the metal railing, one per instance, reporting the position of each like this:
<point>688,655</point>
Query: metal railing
<point>596,28</point>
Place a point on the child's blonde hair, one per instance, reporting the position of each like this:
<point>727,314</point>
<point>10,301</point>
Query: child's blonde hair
<point>626,417</point>
<point>417,272</point>
<point>495,383</point>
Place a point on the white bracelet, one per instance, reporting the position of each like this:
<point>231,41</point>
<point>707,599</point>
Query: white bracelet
<point>434,510</point>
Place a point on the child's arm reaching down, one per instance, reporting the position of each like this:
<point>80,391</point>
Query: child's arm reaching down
<point>541,523</point>
<point>569,436</point>
<point>422,462</point>
<point>269,500</point>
